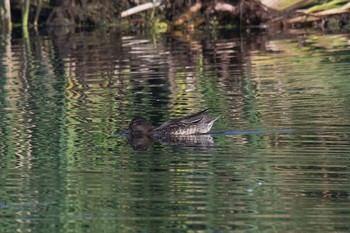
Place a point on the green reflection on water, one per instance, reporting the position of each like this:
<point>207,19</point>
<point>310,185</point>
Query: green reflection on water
<point>64,166</point>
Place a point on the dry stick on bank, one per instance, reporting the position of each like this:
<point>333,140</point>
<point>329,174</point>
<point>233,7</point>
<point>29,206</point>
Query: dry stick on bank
<point>188,14</point>
<point>142,7</point>
<point>194,16</point>
<point>311,16</point>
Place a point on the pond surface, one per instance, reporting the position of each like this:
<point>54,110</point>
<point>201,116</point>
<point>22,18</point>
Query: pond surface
<point>278,160</point>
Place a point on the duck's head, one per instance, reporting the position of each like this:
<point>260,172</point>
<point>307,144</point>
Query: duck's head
<point>140,125</point>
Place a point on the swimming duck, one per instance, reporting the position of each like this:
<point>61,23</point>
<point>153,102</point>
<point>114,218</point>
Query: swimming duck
<point>197,123</point>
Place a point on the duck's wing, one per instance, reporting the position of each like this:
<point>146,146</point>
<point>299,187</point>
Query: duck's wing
<point>185,121</point>
<point>194,118</point>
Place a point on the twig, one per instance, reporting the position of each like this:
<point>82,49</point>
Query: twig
<point>141,7</point>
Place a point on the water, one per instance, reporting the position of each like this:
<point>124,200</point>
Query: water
<point>278,160</point>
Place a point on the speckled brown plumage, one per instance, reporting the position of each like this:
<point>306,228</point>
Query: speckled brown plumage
<point>197,123</point>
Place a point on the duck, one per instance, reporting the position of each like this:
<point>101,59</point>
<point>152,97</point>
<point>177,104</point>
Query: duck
<point>197,123</point>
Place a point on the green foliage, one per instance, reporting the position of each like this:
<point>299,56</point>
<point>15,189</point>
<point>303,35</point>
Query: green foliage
<point>325,5</point>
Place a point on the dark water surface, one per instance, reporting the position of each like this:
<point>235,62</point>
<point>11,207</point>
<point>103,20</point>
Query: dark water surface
<point>280,164</point>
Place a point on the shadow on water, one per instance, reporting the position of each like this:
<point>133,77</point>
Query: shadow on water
<point>253,132</point>
<point>199,141</point>
<point>143,142</point>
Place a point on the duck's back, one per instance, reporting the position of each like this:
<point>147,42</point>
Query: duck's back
<point>194,124</point>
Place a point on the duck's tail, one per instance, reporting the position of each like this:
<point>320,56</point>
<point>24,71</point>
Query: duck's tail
<point>211,121</point>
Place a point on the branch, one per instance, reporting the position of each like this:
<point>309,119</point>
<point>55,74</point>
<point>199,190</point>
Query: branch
<point>141,7</point>
<point>225,7</point>
<point>188,14</point>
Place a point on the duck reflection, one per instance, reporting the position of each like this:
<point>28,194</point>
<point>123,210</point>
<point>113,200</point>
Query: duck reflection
<point>140,141</point>
<point>144,141</point>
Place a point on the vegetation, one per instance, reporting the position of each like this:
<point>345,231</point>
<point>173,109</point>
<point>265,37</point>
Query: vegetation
<point>183,14</point>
